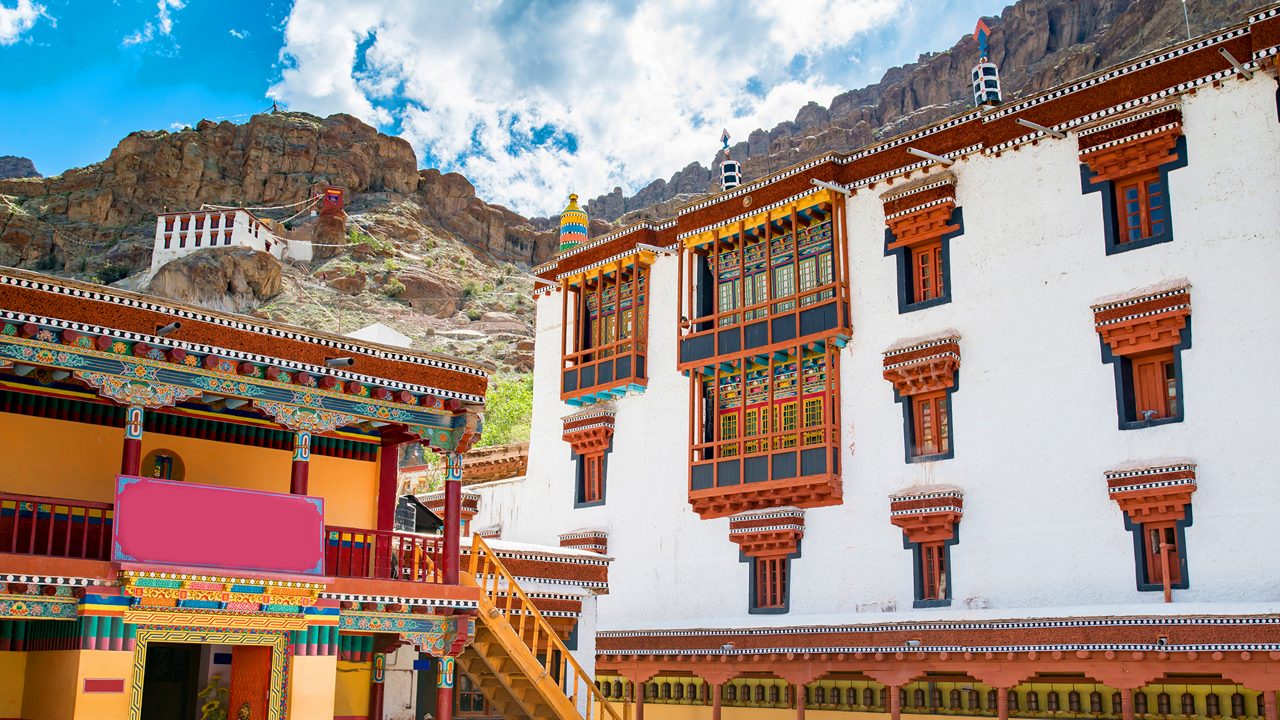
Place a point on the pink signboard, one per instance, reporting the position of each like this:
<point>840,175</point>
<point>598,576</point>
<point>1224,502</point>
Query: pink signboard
<point>179,523</point>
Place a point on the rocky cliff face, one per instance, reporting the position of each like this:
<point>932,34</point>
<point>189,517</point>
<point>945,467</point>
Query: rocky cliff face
<point>12,166</point>
<point>1036,43</point>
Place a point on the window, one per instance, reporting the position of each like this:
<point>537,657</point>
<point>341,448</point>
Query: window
<point>1160,539</point>
<point>931,425</point>
<point>770,583</point>
<point>1140,201</point>
<point>729,431</point>
<point>812,419</point>
<point>593,479</point>
<point>787,424</point>
<point>470,699</point>
<point>926,273</point>
<point>933,570</point>
<point>1155,386</point>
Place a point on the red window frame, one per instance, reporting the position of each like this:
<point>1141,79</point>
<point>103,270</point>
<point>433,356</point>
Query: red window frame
<point>926,272</point>
<point>1142,207</point>
<point>933,571</point>
<point>593,478</point>
<point>931,424</point>
<point>1154,536</point>
<point>1155,385</point>
<point>771,582</point>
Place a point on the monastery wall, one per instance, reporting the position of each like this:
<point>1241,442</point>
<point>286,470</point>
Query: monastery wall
<point>1034,418</point>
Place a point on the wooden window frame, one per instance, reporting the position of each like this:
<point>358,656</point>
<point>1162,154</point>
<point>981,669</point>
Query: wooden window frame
<point>1140,185</point>
<point>1148,565</point>
<point>770,586</point>
<point>591,478</point>
<point>931,254</point>
<point>1154,386</point>
<point>1128,397</point>
<point>1113,216</point>
<point>905,255</point>
<point>938,404</point>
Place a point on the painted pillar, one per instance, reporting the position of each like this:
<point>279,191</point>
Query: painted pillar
<point>799,691</point>
<point>1269,704</point>
<point>388,483</point>
<point>640,701</point>
<point>452,520</point>
<point>444,689</point>
<point>895,703</point>
<point>1002,703</point>
<point>301,462</point>
<point>716,700</point>
<point>376,686</point>
<point>1126,703</point>
<point>131,457</point>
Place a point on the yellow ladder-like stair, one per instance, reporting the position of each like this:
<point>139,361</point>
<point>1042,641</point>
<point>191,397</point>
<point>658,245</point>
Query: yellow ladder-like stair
<point>517,659</point>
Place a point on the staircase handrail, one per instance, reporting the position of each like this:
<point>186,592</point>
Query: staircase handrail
<point>540,625</point>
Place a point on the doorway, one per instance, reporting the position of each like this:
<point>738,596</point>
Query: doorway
<point>170,683</point>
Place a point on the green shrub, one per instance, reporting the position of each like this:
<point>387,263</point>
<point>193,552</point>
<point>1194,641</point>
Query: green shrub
<point>394,288</point>
<point>112,273</point>
<point>508,409</point>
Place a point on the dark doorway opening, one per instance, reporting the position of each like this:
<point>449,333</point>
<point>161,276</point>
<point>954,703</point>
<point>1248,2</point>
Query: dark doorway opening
<point>169,686</point>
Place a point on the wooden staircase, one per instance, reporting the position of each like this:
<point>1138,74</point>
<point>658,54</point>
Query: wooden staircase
<point>516,658</point>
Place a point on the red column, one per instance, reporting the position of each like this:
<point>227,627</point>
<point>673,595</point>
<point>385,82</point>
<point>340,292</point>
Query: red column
<point>301,462</point>
<point>799,691</point>
<point>375,700</point>
<point>715,700</point>
<point>444,689</point>
<point>895,703</point>
<point>1002,703</point>
<point>1269,704</point>
<point>388,483</point>
<point>639,693</point>
<point>452,520</point>
<point>1126,703</point>
<point>131,455</point>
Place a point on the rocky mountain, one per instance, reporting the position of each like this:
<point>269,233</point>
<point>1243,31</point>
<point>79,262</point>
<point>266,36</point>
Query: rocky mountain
<point>1036,43</point>
<point>12,166</point>
<point>419,252</point>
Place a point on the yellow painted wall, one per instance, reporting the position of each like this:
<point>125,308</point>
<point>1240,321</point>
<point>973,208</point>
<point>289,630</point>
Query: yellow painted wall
<point>103,665</point>
<point>13,677</point>
<point>312,687</point>
<point>80,461</point>
<point>352,695</point>
<point>52,685</point>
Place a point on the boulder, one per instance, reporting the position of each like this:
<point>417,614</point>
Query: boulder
<point>430,293</point>
<point>349,285</point>
<point>229,279</point>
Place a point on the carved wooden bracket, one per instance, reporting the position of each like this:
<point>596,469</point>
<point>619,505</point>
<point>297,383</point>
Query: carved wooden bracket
<point>772,532</point>
<point>1154,493</point>
<point>922,211</point>
<point>928,513</point>
<point>924,366</point>
<point>1130,145</point>
<point>1146,321</point>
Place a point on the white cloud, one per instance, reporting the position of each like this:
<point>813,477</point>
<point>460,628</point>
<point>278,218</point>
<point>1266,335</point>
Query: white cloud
<point>503,93</point>
<point>163,24</point>
<point>239,34</point>
<point>14,21</point>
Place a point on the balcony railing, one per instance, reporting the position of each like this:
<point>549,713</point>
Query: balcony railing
<point>54,527</point>
<point>382,555</point>
<point>617,364</point>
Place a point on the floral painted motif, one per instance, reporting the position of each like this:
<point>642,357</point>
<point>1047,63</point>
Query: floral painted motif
<point>384,413</point>
<point>301,418</point>
<point>229,386</point>
<point>19,607</point>
<point>43,356</point>
<point>136,392</point>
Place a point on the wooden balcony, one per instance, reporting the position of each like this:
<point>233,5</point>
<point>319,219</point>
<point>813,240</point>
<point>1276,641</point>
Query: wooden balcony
<point>604,372</point>
<point>55,527</point>
<point>815,315</point>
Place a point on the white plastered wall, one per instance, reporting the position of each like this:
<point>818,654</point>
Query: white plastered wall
<point>1034,418</point>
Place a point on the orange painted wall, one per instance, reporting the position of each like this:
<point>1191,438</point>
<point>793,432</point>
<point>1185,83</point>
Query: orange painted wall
<point>51,691</point>
<point>13,678</point>
<point>77,460</point>
<point>312,685</point>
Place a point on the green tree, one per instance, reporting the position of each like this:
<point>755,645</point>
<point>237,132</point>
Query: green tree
<point>508,410</point>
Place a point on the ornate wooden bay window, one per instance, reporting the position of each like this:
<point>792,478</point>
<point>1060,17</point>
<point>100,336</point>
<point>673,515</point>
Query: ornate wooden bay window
<point>1156,500</point>
<point>764,312</point>
<point>1128,161</point>
<point>1143,336</point>
<point>604,335</point>
<point>929,516</point>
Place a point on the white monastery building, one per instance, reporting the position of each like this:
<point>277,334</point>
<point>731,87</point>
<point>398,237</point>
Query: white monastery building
<point>970,422</point>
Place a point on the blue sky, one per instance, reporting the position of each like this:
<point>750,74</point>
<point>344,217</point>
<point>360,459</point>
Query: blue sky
<point>529,98</point>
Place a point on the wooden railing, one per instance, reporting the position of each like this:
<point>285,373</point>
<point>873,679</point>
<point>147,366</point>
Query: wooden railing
<point>556,661</point>
<point>382,555</point>
<point>55,527</point>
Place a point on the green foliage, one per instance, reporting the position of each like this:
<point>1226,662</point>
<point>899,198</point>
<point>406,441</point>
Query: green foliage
<point>473,313</point>
<point>112,273</point>
<point>508,410</point>
<point>390,265</point>
<point>355,237</point>
<point>47,263</point>
<point>471,288</point>
<point>394,288</point>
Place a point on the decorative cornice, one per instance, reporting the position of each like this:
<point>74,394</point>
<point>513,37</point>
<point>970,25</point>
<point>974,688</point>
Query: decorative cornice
<point>927,514</point>
<point>923,367</point>
<point>1158,493</point>
<point>1150,320</point>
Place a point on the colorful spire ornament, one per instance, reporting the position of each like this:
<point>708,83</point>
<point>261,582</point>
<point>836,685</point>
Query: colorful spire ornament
<point>730,170</point>
<point>573,224</point>
<point>986,76</point>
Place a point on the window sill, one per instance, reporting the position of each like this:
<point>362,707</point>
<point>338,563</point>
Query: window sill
<point>768,611</point>
<point>1141,424</point>
<point>924,305</point>
<point>925,604</point>
<point>593,503</point>
<point>948,455</point>
<point>1115,248</point>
